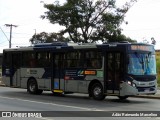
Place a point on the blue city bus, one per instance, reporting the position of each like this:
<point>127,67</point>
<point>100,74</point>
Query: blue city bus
<point>99,70</point>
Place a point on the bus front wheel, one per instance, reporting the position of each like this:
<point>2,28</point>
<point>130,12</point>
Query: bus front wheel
<point>32,87</point>
<point>97,92</point>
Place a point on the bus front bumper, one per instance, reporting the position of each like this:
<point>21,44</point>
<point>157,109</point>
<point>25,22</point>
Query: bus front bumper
<point>128,90</point>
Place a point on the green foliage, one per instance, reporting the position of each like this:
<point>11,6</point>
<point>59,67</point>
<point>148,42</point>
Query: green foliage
<point>44,37</point>
<point>158,66</point>
<point>121,38</point>
<point>88,20</point>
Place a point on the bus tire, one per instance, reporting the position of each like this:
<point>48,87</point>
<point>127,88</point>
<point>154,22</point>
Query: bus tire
<point>32,87</point>
<point>122,97</point>
<point>97,92</point>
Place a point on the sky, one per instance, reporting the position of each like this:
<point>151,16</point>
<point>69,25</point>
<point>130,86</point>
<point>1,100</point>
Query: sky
<point>143,21</point>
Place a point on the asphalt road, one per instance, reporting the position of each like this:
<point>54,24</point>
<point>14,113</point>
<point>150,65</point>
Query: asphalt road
<point>78,106</point>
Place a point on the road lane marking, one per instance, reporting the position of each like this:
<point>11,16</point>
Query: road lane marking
<point>43,118</point>
<point>54,104</point>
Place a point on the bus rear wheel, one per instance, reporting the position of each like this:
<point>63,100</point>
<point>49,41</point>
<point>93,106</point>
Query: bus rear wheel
<point>32,87</point>
<point>97,92</point>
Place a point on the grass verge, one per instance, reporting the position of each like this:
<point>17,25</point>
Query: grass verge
<point>158,66</point>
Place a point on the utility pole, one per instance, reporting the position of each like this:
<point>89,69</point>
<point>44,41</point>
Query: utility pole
<point>10,25</point>
<point>35,33</point>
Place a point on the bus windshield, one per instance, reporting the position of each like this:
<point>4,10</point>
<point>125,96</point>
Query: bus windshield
<point>142,64</point>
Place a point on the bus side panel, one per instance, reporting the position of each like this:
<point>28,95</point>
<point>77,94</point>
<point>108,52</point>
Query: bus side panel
<point>83,86</point>
<point>6,80</point>
<point>35,73</point>
<point>71,85</point>
<point>62,85</point>
<point>56,83</point>
<point>12,78</point>
<point>16,78</point>
<point>80,86</point>
<point>78,80</point>
<point>6,73</point>
<point>47,84</point>
<point>24,82</point>
<point>24,77</point>
<point>44,84</point>
<point>40,83</point>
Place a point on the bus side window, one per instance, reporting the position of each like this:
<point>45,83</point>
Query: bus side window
<point>93,59</point>
<point>32,61</point>
<point>28,59</point>
<point>96,63</point>
<point>43,59</point>
<point>87,63</point>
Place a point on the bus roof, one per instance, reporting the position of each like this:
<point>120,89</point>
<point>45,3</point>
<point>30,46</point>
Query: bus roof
<point>65,45</point>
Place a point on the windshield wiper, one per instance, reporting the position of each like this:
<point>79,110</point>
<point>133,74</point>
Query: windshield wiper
<point>140,58</point>
<point>148,56</point>
<point>141,61</point>
<point>147,61</point>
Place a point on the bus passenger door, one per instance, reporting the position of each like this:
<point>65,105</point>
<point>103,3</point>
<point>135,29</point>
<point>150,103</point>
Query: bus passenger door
<point>114,72</point>
<point>15,69</point>
<point>57,83</point>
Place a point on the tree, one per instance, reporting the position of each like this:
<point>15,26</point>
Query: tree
<point>153,41</point>
<point>88,20</point>
<point>44,37</point>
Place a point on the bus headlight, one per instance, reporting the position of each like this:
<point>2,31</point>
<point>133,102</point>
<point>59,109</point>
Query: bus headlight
<point>129,83</point>
<point>134,85</point>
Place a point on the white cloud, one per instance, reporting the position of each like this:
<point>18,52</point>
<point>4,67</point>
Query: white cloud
<point>26,15</point>
<point>143,19</point>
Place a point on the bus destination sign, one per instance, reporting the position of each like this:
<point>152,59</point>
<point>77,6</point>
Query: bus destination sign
<point>141,47</point>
